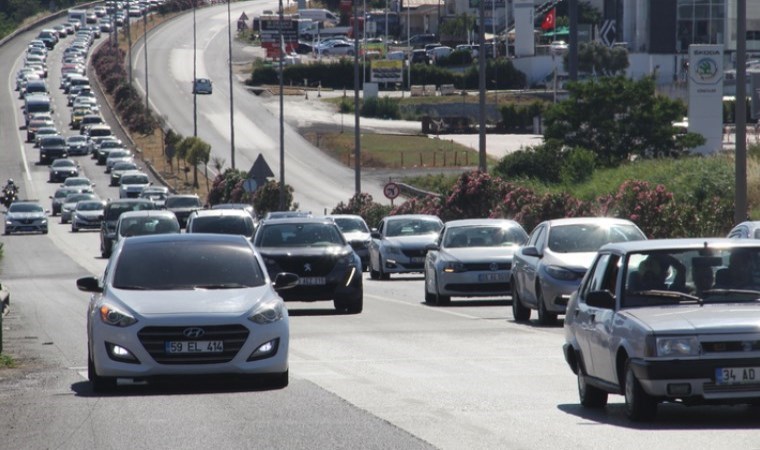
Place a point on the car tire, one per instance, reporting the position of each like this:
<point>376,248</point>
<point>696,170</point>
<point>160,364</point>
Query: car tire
<point>374,274</point>
<point>429,297</point>
<point>440,300</point>
<point>590,396</point>
<point>639,406</point>
<point>520,312</point>
<point>74,229</point>
<point>99,384</point>
<point>544,316</point>
<point>383,275</point>
<point>355,306</point>
<point>105,250</point>
<point>6,232</point>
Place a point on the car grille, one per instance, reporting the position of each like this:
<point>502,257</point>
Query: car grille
<point>414,252</point>
<point>317,266</point>
<point>154,338</point>
<point>730,346</point>
<point>487,266</point>
<point>479,287</point>
<point>358,245</point>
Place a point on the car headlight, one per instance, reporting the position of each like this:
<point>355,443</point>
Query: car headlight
<point>677,346</point>
<point>560,273</point>
<point>113,316</point>
<point>392,250</point>
<point>44,221</point>
<point>268,312</point>
<point>347,259</point>
<point>453,267</point>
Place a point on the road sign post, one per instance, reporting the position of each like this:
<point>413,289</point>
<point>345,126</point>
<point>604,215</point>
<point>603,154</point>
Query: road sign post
<point>391,191</point>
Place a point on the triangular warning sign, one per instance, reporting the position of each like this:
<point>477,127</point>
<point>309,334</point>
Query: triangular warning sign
<point>260,169</point>
<point>243,17</point>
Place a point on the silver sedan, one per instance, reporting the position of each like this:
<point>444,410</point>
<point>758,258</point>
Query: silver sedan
<point>559,252</point>
<point>472,258</point>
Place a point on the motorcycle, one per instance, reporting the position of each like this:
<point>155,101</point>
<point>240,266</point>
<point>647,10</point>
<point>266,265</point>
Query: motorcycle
<point>9,195</point>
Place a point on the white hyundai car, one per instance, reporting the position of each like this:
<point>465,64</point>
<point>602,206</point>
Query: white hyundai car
<point>186,304</point>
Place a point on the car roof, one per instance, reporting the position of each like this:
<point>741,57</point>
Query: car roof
<point>149,213</point>
<point>219,238</point>
<point>476,222</point>
<point>220,213</point>
<point>412,216</point>
<point>678,244</point>
<point>322,219</point>
<point>581,220</point>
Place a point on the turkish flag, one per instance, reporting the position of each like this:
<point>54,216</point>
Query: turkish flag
<point>548,23</point>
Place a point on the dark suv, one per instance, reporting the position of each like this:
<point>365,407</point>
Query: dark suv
<point>111,213</point>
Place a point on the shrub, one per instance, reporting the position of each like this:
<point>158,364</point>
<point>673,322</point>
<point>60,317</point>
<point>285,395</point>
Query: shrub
<point>363,205</point>
<point>542,162</point>
<point>577,165</point>
<point>267,197</point>
<point>383,108</point>
<point>474,195</point>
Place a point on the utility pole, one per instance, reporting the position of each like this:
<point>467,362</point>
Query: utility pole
<point>145,41</point>
<point>573,47</point>
<point>282,114</point>
<point>129,45</point>
<point>357,130</point>
<point>740,207</point>
<point>232,105</point>
<point>482,87</point>
<point>195,95</point>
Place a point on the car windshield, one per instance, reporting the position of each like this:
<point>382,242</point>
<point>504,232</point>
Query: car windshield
<point>349,224</point>
<point>703,275</point>
<point>25,208</point>
<point>300,235</point>
<point>64,163</point>
<point>186,265</point>
<point>484,236</point>
<point>89,206</point>
<point>77,182</point>
<point>73,198</point>
<point>223,225</point>
<point>588,237</point>
<point>114,211</point>
<point>138,226</point>
<point>134,179</point>
<point>412,227</point>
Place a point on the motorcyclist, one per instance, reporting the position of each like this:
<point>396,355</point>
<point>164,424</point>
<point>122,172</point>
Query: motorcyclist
<point>10,186</point>
<point>10,191</point>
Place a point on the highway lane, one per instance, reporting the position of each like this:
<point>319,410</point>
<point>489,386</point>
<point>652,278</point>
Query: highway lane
<point>400,375</point>
<point>319,182</point>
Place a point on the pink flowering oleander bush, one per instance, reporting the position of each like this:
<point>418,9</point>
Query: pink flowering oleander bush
<point>474,195</point>
<point>363,204</point>
<point>651,208</point>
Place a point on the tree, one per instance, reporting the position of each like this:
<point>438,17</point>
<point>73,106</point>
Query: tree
<point>198,153</point>
<point>458,29</point>
<point>615,118</point>
<point>598,59</point>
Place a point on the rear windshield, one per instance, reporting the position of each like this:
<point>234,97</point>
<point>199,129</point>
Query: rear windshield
<point>300,235</point>
<point>223,225</point>
<point>36,107</point>
<point>186,265</point>
<point>100,132</point>
<point>182,202</point>
<point>134,179</point>
<point>114,211</point>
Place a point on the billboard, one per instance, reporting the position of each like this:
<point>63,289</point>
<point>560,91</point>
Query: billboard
<point>385,71</point>
<point>706,95</point>
<point>271,26</point>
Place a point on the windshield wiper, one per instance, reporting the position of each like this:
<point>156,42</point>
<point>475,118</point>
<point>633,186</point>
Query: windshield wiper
<point>131,288</point>
<point>676,295</point>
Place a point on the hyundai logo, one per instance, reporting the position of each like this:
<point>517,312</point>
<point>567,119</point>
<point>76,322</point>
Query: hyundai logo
<point>494,267</point>
<point>307,267</point>
<point>193,333</point>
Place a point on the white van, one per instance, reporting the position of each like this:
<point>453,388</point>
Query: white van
<point>319,15</point>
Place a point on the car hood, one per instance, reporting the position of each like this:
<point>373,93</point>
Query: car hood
<point>710,318</point>
<point>353,236</point>
<point>90,213</point>
<point>200,301</point>
<point>411,241</point>
<point>466,254</point>
<point>569,260</point>
<point>280,252</point>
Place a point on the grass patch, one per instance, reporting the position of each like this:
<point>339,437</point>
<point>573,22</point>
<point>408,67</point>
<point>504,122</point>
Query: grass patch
<point>396,151</point>
<point>6,362</point>
<point>502,98</point>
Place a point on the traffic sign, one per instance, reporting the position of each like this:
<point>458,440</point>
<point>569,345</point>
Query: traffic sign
<point>260,169</point>
<point>250,185</point>
<point>608,33</point>
<point>391,190</point>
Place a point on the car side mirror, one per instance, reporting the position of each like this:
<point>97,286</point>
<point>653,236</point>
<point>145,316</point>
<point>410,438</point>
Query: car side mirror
<point>89,284</point>
<point>285,280</point>
<point>531,251</point>
<point>375,234</point>
<point>601,299</point>
<point>431,246</point>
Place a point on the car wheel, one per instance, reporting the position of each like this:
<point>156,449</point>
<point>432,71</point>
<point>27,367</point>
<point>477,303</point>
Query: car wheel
<point>590,396</point>
<point>99,384</point>
<point>45,231</point>
<point>6,232</point>
<point>440,300</point>
<point>520,312</point>
<point>105,250</point>
<point>383,275</point>
<point>544,317</point>
<point>355,306</point>
<point>429,297</point>
<point>374,274</point>
<point>74,229</point>
<point>639,406</point>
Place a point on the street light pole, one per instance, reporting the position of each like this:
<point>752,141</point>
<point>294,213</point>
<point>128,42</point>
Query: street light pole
<point>145,41</point>
<point>357,131</point>
<point>740,207</point>
<point>195,95</point>
<point>232,105</point>
<point>409,39</point>
<point>482,88</point>
<point>282,113</point>
<point>129,44</point>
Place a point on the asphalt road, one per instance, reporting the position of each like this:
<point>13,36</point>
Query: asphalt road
<point>400,375</point>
